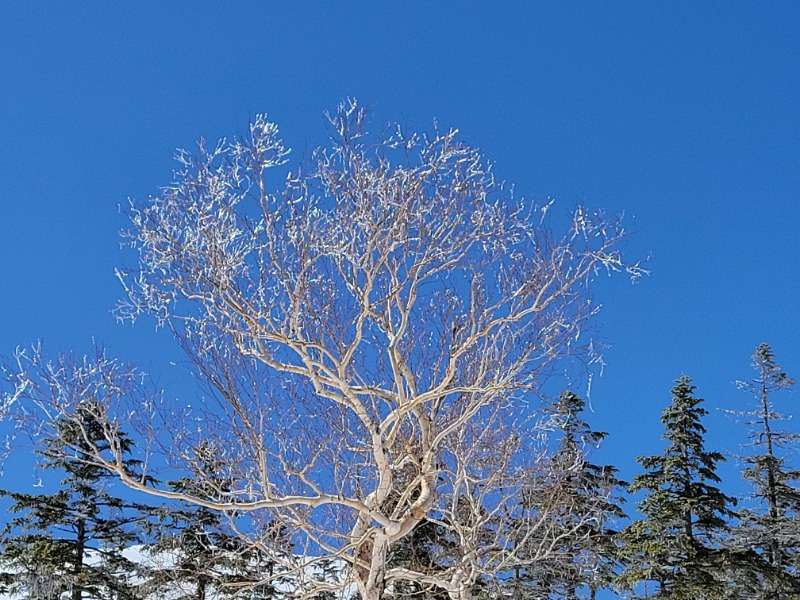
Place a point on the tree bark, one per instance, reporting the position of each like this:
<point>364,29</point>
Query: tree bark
<point>77,571</point>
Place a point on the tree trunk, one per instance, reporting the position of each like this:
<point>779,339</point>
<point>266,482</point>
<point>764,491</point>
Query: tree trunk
<point>772,493</point>
<point>201,588</point>
<point>464,593</point>
<point>77,571</point>
<point>371,579</point>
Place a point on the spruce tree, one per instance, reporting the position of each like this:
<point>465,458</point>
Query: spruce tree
<point>583,501</point>
<point>424,551</point>
<point>770,526</point>
<point>194,557</point>
<point>594,492</point>
<point>677,543</point>
<point>69,544</point>
<point>428,549</point>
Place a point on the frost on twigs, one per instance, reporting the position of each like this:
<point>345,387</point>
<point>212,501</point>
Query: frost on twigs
<point>367,331</point>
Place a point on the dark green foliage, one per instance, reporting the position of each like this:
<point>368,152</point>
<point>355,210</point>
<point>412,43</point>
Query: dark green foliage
<point>428,549</point>
<point>688,545</point>
<point>581,501</point>
<point>46,547</point>
<point>421,551</point>
<point>200,559</point>
<point>677,545</point>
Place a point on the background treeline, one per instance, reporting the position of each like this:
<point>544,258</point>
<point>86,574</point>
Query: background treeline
<point>682,537</point>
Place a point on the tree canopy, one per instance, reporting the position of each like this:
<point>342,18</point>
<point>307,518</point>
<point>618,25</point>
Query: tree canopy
<point>373,332</point>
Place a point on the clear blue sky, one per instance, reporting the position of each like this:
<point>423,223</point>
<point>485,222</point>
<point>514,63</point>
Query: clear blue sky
<point>685,115</point>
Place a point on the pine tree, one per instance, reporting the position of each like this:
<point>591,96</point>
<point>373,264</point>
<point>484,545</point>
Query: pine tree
<point>194,558</point>
<point>421,551</point>
<point>583,501</point>
<point>70,543</point>
<point>596,503</point>
<point>770,528</point>
<point>677,545</point>
<point>428,549</point>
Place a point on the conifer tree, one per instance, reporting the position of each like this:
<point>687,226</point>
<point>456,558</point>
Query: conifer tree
<point>771,526</point>
<point>426,550</point>
<point>677,545</point>
<point>69,543</point>
<point>596,503</point>
<point>583,502</point>
<point>194,557</point>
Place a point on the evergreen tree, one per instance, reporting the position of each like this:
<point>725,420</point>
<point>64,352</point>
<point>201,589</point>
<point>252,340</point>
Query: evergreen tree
<point>194,558</point>
<point>770,528</point>
<point>582,500</point>
<point>677,545</point>
<point>422,551</point>
<point>428,549</point>
<point>69,544</point>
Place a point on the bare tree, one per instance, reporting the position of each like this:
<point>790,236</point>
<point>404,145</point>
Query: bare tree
<point>371,337</point>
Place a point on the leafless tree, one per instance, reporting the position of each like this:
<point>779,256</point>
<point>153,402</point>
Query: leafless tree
<point>371,339</point>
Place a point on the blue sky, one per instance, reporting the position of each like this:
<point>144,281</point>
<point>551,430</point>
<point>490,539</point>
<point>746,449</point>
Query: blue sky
<point>684,115</point>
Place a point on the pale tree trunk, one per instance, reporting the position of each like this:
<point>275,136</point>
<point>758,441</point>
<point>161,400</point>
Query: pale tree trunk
<point>371,578</point>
